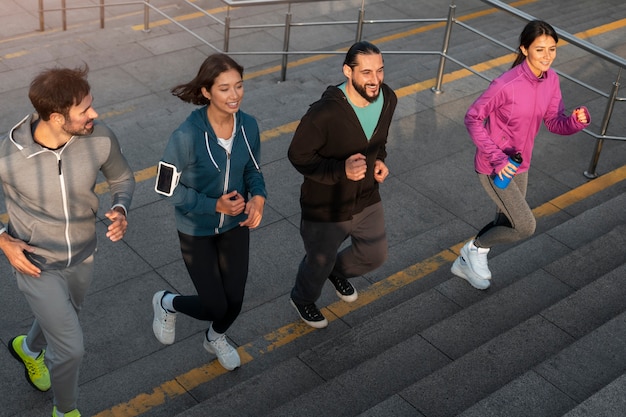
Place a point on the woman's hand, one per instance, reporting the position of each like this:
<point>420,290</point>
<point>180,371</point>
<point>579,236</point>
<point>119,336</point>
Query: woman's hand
<point>581,115</point>
<point>231,204</point>
<point>508,171</point>
<point>254,210</point>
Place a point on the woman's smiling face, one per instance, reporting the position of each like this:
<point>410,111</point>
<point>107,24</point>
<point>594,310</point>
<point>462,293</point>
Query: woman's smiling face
<point>227,92</point>
<point>540,54</point>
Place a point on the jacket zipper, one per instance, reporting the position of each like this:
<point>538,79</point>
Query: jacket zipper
<point>65,208</point>
<point>225,189</point>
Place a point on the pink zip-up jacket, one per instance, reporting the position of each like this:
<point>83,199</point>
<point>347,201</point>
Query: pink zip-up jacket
<point>505,119</point>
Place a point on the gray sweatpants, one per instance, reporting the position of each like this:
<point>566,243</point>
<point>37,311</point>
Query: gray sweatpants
<point>55,299</point>
<point>368,251</point>
<point>514,218</point>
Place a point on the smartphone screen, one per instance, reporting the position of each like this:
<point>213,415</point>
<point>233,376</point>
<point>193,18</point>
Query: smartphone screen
<point>165,179</point>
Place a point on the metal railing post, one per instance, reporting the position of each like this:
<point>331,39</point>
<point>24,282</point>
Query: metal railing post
<point>226,29</point>
<point>146,16</point>
<point>283,67</point>
<point>444,50</point>
<point>591,172</point>
<point>359,24</point>
<point>41,18</point>
<point>64,14</point>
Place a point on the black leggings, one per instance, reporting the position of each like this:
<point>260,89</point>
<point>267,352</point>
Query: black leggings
<point>218,267</point>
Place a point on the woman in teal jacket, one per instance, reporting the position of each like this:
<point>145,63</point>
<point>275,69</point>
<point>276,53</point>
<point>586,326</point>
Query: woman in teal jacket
<point>503,122</point>
<point>210,172</point>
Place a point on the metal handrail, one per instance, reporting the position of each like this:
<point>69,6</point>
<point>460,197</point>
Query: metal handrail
<point>611,96</point>
<point>63,9</point>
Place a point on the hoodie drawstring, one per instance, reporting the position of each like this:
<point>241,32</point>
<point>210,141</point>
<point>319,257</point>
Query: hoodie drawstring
<point>208,148</point>
<point>245,138</point>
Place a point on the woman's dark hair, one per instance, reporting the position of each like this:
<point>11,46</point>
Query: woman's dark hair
<point>359,48</point>
<point>210,69</point>
<point>56,90</point>
<point>532,31</point>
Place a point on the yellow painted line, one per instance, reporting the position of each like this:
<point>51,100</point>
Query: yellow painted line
<point>453,76</point>
<point>280,130</point>
<point>15,55</point>
<point>103,187</point>
<point>113,113</point>
<point>292,331</point>
<point>580,193</point>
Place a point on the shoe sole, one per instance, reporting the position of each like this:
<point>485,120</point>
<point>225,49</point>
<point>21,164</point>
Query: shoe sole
<point>458,271</point>
<point>156,304</point>
<point>348,298</point>
<point>19,359</point>
<point>315,324</point>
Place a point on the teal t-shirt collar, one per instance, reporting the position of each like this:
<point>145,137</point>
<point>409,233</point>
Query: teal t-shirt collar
<point>368,116</point>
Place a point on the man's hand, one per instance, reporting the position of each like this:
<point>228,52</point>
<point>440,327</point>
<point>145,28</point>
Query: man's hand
<point>254,210</point>
<point>356,167</point>
<point>14,251</point>
<point>380,171</point>
<point>117,228</point>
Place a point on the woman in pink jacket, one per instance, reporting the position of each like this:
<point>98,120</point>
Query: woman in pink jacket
<point>503,122</point>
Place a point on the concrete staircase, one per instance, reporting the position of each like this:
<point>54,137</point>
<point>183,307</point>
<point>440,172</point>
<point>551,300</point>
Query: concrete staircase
<point>547,339</point>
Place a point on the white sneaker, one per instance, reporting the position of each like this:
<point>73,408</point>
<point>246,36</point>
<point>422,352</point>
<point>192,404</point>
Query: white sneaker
<point>461,269</point>
<point>164,322</point>
<point>226,354</point>
<point>476,259</point>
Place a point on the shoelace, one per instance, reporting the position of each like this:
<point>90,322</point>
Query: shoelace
<point>221,345</point>
<point>341,285</point>
<point>312,311</point>
<point>168,320</point>
<point>36,367</point>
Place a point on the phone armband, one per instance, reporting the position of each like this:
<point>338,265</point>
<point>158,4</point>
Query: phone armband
<point>167,179</point>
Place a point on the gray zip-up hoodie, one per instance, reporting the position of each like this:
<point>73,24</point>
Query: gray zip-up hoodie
<point>49,194</point>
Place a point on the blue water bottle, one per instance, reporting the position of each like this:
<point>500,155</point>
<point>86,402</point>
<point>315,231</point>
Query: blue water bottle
<point>504,182</point>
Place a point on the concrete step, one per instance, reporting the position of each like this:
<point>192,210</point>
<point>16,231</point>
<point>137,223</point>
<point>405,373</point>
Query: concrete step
<point>607,402</point>
<point>586,378</point>
<point>483,351</point>
<point>457,353</point>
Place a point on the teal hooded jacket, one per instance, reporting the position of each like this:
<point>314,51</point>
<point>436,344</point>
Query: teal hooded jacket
<point>207,172</point>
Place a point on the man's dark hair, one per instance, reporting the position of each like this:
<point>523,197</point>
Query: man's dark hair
<point>56,90</point>
<point>359,48</point>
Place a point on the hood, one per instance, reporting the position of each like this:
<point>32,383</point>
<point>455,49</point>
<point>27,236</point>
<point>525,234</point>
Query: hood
<point>21,134</point>
<point>199,119</point>
<point>333,92</point>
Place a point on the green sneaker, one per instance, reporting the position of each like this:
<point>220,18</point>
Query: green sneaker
<point>36,371</point>
<point>73,413</point>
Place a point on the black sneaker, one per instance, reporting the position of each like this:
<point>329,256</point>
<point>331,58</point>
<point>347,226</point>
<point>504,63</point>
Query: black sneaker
<point>344,289</point>
<point>310,314</point>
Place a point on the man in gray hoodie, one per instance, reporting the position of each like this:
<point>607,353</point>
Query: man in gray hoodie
<point>49,164</point>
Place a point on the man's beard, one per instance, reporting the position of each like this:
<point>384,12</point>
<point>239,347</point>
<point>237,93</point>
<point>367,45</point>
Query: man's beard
<point>363,92</point>
<point>84,131</point>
